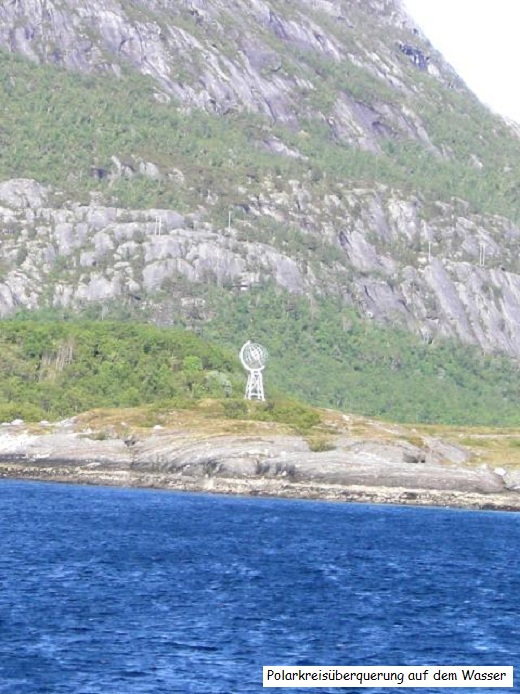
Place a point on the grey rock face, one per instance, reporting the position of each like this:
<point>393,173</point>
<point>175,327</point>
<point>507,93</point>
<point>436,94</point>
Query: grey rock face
<point>22,193</point>
<point>222,57</point>
<point>260,464</point>
<point>101,257</point>
<point>375,252</point>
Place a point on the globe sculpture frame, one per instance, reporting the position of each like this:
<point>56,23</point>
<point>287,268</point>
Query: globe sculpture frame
<point>253,357</point>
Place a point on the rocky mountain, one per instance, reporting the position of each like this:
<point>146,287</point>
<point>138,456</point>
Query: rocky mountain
<point>154,149</point>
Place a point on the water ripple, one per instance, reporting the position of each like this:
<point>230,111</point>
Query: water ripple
<point>120,591</point>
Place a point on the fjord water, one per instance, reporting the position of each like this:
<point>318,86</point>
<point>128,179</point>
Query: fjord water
<point>112,590</point>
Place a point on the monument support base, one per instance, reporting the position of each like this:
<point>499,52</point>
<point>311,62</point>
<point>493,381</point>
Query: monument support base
<point>255,386</point>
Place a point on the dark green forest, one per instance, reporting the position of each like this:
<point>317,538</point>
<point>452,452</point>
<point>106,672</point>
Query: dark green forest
<point>324,356</point>
<point>52,369</point>
<point>329,356</point>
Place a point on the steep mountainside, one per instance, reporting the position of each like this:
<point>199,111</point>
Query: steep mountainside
<point>156,155</point>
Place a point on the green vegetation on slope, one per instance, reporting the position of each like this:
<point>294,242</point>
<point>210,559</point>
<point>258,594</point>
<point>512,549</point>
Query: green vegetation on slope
<point>51,369</point>
<point>330,357</point>
<point>55,369</point>
<point>63,129</point>
<point>325,355</point>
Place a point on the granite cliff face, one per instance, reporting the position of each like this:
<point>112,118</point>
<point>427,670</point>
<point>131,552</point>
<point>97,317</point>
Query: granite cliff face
<point>360,72</point>
<point>460,281</point>
<point>256,56</point>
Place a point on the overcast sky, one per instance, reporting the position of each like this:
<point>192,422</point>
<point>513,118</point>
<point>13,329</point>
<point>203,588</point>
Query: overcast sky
<point>479,38</point>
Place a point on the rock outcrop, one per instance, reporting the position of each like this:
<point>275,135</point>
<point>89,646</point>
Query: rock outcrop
<point>274,465</point>
<point>378,254</point>
<point>251,56</point>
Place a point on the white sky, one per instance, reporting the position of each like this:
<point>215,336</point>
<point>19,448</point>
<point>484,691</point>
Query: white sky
<point>480,39</point>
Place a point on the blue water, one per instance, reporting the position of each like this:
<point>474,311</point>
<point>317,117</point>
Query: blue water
<point>111,590</point>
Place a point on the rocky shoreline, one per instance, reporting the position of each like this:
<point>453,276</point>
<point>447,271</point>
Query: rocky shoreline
<point>261,464</point>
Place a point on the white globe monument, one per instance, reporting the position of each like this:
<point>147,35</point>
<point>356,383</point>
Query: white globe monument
<point>253,357</point>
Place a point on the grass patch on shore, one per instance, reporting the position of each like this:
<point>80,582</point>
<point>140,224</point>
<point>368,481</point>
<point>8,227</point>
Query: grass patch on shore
<point>207,416</point>
<point>206,420</point>
<point>491,446</point>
